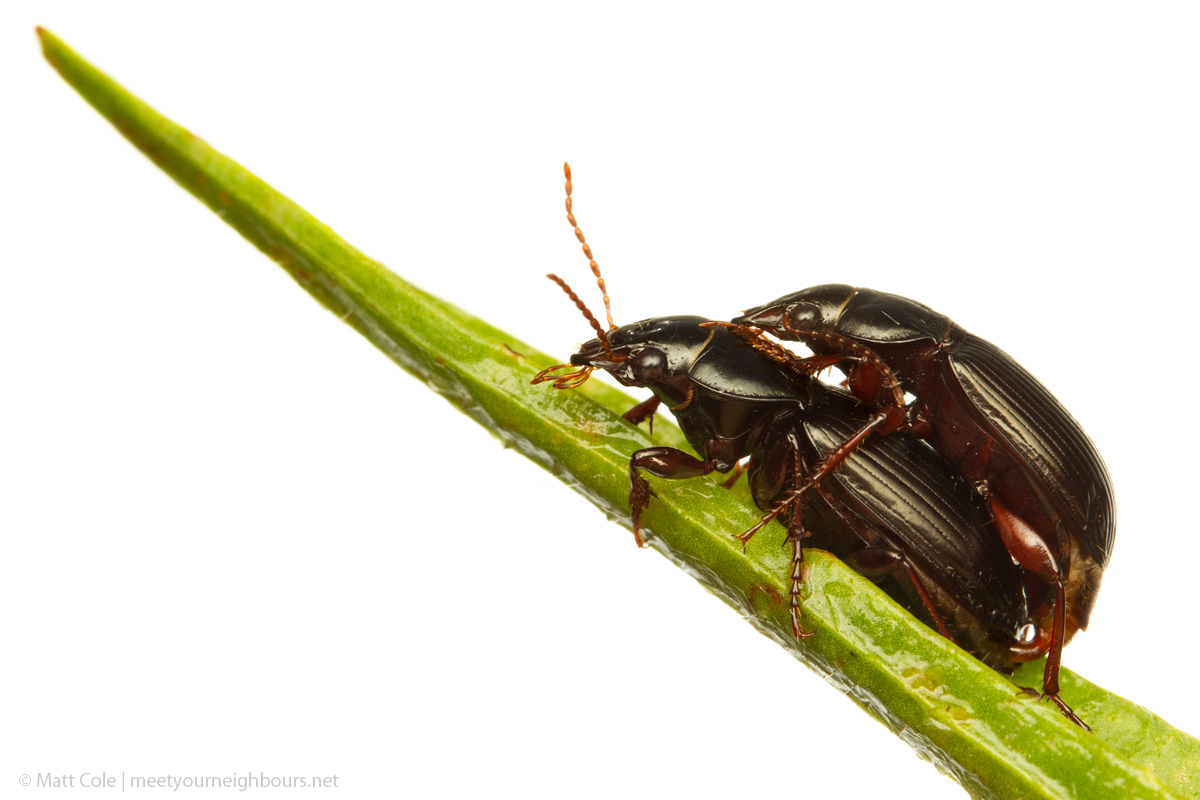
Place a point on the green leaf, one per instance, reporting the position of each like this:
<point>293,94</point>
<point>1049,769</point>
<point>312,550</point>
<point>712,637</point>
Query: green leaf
<point>972,722</point>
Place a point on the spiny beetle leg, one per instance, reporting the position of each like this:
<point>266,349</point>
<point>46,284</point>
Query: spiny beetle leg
<point>884,421</point>
<point>1030,550</point>
<point>796,532</point>
<point>1068,712</point>
<point>871,378</point>
<point>877,559</point>
<point>639,496</point>
<point>661,462</point>
<point>815,365</point>
<point>877,563</point>
<point>765,520</point>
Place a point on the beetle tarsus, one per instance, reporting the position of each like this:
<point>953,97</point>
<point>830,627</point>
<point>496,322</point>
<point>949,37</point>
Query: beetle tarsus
<point>1068,712</point>
<point>639,497</point>
<point>796,533</point>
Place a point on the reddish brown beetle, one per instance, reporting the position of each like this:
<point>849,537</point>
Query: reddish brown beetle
<point>1045,484</point>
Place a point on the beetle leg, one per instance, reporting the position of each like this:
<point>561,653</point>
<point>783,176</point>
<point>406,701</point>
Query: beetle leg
<point>777,509</point>
<point>870,378</point>
<point>877,563</point>
<point>920,422</point>
<point>739,469</point>
<point>878,560</point>
<point>661,462</point>
<point>793,500</point>
<point>884,421</point>
<point>1030,550</point>
<point>815,365</point>
<point>807,366</point>
<point>759,341</point>
<point>796,533</point>
<point>643,411</point>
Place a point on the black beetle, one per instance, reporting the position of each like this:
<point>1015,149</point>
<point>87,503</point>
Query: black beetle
<point>893,509</point>
<point>1043,480</point>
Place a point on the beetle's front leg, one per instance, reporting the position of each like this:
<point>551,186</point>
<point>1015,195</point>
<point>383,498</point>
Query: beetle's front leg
<point>662,462</point>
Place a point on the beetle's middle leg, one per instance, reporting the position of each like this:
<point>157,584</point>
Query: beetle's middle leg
<point>792,505</point>
<point>643,411</point>
<point>883,421</point>
<point>796,533</point>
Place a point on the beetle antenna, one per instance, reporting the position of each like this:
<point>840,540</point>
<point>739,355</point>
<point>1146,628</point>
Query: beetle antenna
<point>579,304</point>
<point>587,251</point>
<point>570,380</point>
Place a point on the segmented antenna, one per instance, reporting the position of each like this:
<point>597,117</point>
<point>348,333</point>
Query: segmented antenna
<point>570,380</point>
<point>579,304</point>
<point>587,251</point>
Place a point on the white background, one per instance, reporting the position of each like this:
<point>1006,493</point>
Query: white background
<point>238,539</point>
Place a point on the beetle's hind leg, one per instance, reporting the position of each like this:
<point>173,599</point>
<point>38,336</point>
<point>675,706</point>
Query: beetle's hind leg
<point>1030,550</point>
<point>876,560</point>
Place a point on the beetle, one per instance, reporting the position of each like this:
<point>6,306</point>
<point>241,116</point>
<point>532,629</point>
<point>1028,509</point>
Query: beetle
<point>1041,477</point>
<point>893,509</point>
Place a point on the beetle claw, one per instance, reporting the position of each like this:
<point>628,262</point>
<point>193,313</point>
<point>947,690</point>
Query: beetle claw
<point>1068,712</point>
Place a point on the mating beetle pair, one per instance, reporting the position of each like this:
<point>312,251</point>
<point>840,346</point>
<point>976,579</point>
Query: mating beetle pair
<point>982,501</point>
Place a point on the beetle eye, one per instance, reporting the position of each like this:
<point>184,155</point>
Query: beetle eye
<point>648,366</point>
<point>804,317</point>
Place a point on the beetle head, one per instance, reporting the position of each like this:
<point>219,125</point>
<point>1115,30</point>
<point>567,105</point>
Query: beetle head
<point>653,353</point>
<point>814,309</point>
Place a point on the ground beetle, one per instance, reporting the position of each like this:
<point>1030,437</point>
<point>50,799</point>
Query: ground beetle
<point>1046,486</point>
<point>892,508</point>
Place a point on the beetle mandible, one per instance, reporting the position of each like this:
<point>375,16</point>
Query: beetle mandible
<point>1043,480</point>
